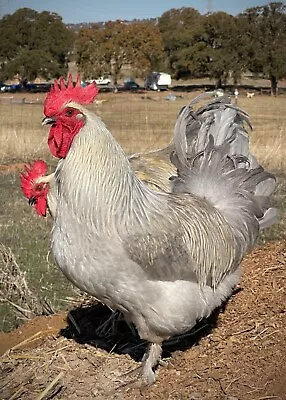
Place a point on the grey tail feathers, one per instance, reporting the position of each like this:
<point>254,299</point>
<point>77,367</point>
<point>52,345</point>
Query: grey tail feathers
<point>214,162</point>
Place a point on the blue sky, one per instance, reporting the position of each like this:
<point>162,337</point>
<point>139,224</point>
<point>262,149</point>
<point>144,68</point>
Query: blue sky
<point>94,10</point>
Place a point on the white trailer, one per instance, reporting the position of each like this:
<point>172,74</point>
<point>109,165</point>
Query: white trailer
<point>158,81</point>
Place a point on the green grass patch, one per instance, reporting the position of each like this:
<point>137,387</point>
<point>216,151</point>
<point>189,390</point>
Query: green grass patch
<point>28,237</point>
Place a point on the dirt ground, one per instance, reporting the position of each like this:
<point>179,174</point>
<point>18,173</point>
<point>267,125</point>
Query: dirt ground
<point>237,354</point>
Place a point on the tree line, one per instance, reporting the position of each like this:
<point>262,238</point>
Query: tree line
<point>181,41</point>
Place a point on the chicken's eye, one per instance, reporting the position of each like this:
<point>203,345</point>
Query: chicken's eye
<point>69,113</point>
<point>39,187</point>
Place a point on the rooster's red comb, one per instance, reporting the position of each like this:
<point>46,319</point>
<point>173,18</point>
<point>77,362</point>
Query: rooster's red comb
<point>60,94</point>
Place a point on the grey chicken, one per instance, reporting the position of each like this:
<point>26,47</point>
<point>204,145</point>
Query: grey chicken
<point>164,259</point>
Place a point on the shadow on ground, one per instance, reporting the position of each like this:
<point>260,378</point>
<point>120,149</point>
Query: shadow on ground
<point>102,328</point>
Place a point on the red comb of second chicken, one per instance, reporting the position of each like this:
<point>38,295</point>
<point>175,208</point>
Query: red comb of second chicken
<point>60,94</point>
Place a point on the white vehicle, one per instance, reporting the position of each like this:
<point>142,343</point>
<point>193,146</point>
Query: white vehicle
<point>102,81</point>
<point>218,93</point>
<point>158,81</point>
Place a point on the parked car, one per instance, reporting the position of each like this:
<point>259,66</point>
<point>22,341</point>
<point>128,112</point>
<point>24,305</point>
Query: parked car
<point>37,87</point>
<point>11,88</point>
<point>28,87</point>
<point>101,81</point>
<point>131,85</point>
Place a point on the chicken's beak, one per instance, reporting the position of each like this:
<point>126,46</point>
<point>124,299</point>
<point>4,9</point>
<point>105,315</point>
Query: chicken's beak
<point>32,200</point>
<point>48,121</point>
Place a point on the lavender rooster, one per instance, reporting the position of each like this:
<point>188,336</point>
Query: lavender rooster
<point>164,258</point>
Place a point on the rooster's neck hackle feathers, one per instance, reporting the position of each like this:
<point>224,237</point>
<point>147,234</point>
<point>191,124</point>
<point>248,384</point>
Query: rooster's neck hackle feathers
<point>104,183</point>
<point>60,94</point>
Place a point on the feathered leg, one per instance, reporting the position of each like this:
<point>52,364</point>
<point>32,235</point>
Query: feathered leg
<point>150,359</point>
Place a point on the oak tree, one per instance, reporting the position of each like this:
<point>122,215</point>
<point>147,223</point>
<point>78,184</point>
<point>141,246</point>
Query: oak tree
<point>220,52</point>
<point>180,30</point>
<point>34,44</point>
<point>265,41</point>
<point>105,48</point>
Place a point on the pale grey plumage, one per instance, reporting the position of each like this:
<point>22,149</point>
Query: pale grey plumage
<point>154,168</point>
<point>164,259</point>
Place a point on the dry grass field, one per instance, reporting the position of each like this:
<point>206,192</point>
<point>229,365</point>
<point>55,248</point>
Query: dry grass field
<point>238,356</point>
<point>139,122</point>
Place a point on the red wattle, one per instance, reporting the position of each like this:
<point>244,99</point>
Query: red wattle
<point>61,137</point>
<point>41,206</point>
<point>55,141</point>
